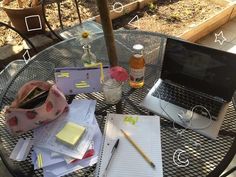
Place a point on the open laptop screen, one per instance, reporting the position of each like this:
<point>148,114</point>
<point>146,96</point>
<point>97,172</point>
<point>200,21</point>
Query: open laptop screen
<point>200,68</point>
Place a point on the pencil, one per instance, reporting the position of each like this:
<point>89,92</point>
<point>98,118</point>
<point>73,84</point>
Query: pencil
<point>138,149</point>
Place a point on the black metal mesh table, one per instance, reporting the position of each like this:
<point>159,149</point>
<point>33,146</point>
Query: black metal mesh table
<point>210,160</point>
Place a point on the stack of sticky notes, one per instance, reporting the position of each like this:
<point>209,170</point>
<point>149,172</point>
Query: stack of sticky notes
<point>70,134</point>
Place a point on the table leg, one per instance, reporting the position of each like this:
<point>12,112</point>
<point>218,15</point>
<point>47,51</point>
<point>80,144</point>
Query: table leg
<point>229,172</point>
<point>119,107</point>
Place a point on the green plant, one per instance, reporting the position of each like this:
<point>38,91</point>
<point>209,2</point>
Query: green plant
<point>125,11</point>
<point>174,18</point>
<point>152,7</point>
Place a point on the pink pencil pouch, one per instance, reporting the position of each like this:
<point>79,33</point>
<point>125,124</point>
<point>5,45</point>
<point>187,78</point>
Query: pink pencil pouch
<point>37,103</point>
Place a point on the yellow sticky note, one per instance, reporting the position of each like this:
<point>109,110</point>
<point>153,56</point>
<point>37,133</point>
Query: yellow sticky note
<point>40,160</point>
<point>101,68</point>
<point>71,133</point>
<point>63,74</point>
<point>82,84</point>
<point>130,119</point>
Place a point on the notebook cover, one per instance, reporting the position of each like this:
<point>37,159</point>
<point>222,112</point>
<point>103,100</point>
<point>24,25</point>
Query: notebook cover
<point>76,80</point>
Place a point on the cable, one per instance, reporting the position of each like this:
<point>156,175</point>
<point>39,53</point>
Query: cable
<point>179,133</point>
<point>191,117</point>
<point>189,126</point>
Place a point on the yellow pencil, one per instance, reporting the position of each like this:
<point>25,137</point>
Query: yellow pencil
<point>138,149</point>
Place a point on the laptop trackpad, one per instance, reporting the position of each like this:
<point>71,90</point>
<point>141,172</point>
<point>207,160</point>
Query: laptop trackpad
<point>183,117</point>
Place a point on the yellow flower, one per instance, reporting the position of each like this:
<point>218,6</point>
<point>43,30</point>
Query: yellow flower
<point>85,34</point>
<point>86,37</point>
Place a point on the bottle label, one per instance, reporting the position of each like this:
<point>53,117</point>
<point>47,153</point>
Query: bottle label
<point>136,75</point>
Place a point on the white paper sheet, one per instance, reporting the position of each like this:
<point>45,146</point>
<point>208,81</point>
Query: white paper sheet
<point>21,150</point>
<point>69,159</point>
<point>127,161</point>
<point>81,112</point>
<point>63,168</point>
<point>46,156</point>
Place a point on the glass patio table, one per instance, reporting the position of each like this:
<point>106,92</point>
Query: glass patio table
<point>209,160</point>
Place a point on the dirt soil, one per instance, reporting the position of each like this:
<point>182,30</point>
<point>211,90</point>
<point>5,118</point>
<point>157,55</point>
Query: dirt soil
<point>88,9</point>
<point>165,16</point>
<point>171,17</point>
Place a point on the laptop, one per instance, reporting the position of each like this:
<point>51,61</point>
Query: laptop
<point>195,79</point>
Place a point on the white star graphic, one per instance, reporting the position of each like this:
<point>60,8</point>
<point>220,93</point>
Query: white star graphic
<point>220,38</point>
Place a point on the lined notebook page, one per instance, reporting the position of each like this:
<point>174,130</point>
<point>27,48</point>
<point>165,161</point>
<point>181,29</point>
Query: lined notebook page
<point>127,161</point>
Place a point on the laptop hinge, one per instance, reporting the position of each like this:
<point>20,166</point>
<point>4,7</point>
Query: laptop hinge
<point>218,99</point>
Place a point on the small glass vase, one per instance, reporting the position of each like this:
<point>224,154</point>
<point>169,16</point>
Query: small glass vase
<point>112,90</point>
<point>88,57</point>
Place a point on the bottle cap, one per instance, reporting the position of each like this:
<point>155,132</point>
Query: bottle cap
<point>138,47</point>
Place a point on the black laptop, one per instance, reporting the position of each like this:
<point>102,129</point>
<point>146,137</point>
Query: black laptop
<point>195,79</point>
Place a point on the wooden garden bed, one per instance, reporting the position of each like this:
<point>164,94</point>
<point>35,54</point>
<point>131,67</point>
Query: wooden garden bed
<point>190,26</point>
<point>212,23</point>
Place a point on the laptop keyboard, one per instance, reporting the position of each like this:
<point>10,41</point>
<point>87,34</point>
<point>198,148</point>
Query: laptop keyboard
<point>187,99</point>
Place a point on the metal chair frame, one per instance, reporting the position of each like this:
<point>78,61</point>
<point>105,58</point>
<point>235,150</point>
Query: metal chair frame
<point>44,2</point>
<point>21,35</point>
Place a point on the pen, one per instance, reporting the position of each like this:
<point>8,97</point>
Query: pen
<point>138,149</point>
<point>112,154</point>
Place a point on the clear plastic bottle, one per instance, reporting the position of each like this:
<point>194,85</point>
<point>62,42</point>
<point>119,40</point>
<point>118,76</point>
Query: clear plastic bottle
<point>137,67</point>
<point>88,57</point>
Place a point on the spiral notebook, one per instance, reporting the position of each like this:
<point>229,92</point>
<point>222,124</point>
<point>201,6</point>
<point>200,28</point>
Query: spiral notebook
<point>126,161</point>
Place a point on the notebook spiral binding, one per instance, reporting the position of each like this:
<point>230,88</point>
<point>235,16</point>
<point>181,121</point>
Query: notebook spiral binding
<point>97,171</point>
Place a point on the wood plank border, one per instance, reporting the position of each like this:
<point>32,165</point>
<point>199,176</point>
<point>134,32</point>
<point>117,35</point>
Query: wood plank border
<point>128,8</point>
<point>210,24</point>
